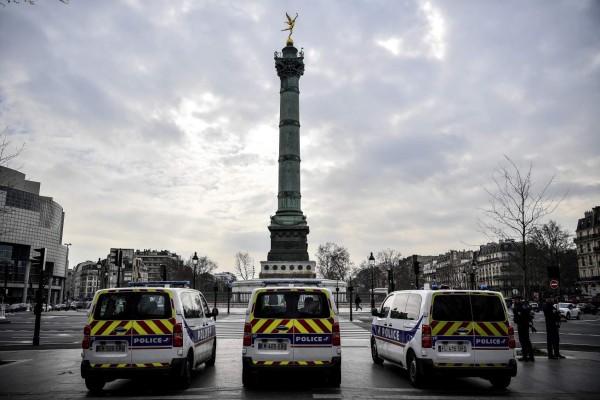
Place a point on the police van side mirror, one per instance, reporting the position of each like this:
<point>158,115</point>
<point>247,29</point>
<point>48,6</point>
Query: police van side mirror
<point>213,313</point>
<point>374,312</point>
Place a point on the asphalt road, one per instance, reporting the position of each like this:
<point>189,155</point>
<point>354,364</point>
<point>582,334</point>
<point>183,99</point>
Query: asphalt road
<point>64,329</point>
<point>52,371</point>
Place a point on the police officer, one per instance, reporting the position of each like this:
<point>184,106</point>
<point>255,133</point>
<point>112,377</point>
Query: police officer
<point>552,316</point>
<point>522,317</point>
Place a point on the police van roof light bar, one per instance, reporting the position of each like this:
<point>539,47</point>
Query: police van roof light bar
<point>160,284</point>
<point>291,282</point>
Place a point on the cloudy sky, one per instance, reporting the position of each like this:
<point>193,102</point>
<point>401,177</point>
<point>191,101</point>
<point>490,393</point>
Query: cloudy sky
<point>155,124</point>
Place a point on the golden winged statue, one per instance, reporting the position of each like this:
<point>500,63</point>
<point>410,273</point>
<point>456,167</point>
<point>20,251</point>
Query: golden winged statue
<point>291,22</point>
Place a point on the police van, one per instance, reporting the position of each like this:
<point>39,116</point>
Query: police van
<point>459,332</point>
<point>153,328</point>
<point>293,327</point>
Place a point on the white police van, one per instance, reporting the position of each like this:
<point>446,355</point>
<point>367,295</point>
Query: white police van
<point>291,326</point>
<point>459,332</point>
<point>151,328</point>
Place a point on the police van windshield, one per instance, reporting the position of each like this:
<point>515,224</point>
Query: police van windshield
<point>291,305</point>
<point>465,307</point>
<point>132,305</point>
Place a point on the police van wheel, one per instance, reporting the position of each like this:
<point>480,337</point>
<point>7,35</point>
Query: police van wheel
<point>94,384</point>
<point>374,354</point>
<point>415,377</point>
<point>185,379</point>
<point>248,380</point>
<point>500,382</point>
<point>335,379</point>
<point>213,357</point>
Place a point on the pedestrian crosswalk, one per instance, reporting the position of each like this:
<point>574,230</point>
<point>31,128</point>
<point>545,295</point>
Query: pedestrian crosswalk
<point>232,327</point>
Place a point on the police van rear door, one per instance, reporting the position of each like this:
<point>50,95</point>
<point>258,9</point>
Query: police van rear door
<point>452,329</point>
<point>491,330</point>
<point>313,328</point>
<point>152,328</point>
<point>272,327</point>
<point>110,330</point>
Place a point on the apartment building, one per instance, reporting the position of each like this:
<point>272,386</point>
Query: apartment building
<point>587,241</point>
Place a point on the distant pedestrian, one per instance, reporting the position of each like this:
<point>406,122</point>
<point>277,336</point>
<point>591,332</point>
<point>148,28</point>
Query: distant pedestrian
<point>522,317</point>
<point>552,316</point>
<point>357,301</point>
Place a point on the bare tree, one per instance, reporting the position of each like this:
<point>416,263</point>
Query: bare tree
<point>244,265</point>
<point>515,209</point>
<point>388,259</point>
<point>8,153</point>
<point>32,2</point>
<point>203,271</point>
<point>551,244</point>
<point>333,261</point>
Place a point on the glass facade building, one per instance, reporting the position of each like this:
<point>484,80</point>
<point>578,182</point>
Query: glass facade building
<point>29,221</point>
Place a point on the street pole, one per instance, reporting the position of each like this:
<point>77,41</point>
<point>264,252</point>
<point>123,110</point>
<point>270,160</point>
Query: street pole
<point>195,264</point>
<point>228,296</point>
<point>216,288</point>
<point>350,289</point>
<point>372,264</point>
<point>337,291</point>
<point>5,293</point>
<point>472,271</point>
<point>40,261</point>
<point>119,260</point>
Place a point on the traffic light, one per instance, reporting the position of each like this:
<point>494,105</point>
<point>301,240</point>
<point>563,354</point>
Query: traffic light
<point>39,261</point>
<point>416,264</point>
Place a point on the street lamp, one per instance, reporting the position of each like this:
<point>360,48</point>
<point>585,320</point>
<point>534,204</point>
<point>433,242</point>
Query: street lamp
<point>372,265</point>
<point>470,270</point>
<point>391,285</point>
<point>195,264</point>
<point>472,273</point>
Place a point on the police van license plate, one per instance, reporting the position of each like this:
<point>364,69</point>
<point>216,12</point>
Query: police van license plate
<point>111,348</point>
<point>272,346</point>
<point>453,348</point>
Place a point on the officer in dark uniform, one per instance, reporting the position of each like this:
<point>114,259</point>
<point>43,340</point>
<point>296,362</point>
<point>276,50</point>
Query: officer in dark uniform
<point>522,317</point>
<point>552,316</point>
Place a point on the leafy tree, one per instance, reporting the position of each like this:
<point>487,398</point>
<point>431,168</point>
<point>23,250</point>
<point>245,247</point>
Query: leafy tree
<point>333,261</point>
<point>244,265</point>
<point>515,209</point>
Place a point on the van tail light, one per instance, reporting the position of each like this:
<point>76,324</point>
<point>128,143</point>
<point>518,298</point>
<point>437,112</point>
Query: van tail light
<point>511,338</point>
<point>337,339</point>
<point>247,335</point>
<point>426,341</point>
<point>177,335</point>
<point>85,343</point>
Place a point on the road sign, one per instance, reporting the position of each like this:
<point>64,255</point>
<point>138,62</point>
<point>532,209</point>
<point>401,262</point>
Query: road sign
<point>553,284</point>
